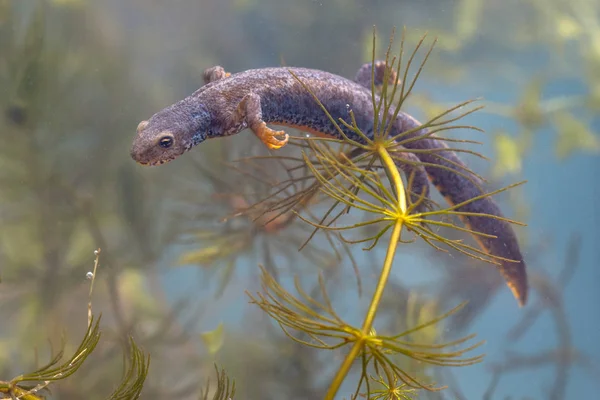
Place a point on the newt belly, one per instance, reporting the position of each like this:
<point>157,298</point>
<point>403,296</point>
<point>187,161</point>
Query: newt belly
<point>230,103</point>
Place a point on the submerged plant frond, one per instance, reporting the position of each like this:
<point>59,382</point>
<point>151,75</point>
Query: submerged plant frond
<point>27,386</point>
<point>325,329</point>
<point>135,375</point>
<point>257,214</point>
<point>225,388</point>
<point>304,314</point>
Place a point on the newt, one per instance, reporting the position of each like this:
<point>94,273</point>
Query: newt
<point>229,103</point>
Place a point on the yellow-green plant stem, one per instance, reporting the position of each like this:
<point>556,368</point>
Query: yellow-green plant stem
<point>396,180</point>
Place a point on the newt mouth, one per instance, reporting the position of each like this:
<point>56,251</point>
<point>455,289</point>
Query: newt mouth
<point>154,163</point>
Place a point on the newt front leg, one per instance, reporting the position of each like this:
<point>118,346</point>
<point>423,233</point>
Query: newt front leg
<point>249,113</point>
<point>249,110</point>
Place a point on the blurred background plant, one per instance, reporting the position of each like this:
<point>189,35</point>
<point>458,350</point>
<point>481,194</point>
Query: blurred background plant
<point>77,76</point>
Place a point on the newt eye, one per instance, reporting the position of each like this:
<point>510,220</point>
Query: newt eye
<point>165,142</point>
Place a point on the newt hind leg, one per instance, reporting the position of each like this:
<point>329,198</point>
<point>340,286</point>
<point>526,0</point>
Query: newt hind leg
<point>363,76</point>
<point>249,110</point>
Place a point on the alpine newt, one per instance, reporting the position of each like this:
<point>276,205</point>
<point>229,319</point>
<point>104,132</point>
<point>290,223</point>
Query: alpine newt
<point>230,103</point>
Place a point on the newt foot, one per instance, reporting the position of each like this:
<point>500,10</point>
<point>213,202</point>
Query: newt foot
<point>270,137</point>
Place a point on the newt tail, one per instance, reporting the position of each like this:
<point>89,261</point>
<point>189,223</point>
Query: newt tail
<point>230,103</point>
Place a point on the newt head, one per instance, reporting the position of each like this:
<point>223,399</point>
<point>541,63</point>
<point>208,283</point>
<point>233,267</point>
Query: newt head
<point>170,132</point>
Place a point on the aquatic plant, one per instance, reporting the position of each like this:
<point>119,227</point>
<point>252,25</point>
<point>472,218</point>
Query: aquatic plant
<point>256,205</point>
<point>345,179</point>
<point>225,388</point>
<point>369,178</point>
<point>81,209</point>
<point>35,385</point>
<point>51,215</point>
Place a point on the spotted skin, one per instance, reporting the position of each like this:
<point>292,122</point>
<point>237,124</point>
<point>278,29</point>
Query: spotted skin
<point>230,103</point>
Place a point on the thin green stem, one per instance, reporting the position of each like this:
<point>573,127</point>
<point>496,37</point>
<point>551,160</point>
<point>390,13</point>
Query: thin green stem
<point>358,346</point>
<point>383,277</point>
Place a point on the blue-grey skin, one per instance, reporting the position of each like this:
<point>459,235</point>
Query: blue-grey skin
<point>228,104</point>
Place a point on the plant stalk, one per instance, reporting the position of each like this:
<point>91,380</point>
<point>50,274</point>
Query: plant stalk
<point>398,185</point>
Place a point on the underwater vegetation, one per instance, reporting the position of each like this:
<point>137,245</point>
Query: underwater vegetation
<point>311,239</point>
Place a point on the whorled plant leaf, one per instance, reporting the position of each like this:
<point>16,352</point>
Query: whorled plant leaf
<point>326,330</point>
<point>387,391</point>
<point>362,189</point>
